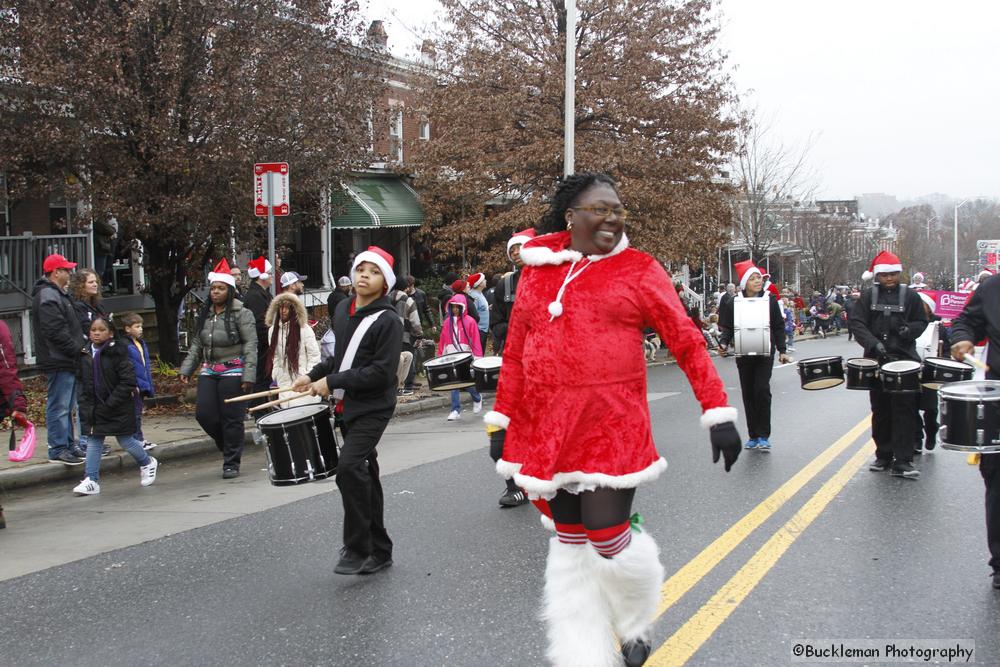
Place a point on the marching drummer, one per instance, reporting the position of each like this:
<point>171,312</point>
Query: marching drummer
<point>886,320</point>
<point>754,370</point>
<point>981,317</point>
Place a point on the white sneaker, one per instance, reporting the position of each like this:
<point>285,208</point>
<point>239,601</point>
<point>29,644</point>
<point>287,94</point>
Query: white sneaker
<point>147,445</point>
<point>147,473</point>
<point>87,487</point>
<point>477,407</point>
<point>454,416</point>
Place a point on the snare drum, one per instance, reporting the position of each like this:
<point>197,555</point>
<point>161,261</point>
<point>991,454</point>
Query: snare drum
<point>301,445</point>
<point>939,370</point>
<point>900,377</point>
<point>821,372</point>
<point>752,325</point>
<point>862,374</point>
<point>450,371</point>
<point>970,416</point>
<point>486,371</point>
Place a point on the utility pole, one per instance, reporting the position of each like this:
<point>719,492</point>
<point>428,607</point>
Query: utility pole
<point>569,114</point>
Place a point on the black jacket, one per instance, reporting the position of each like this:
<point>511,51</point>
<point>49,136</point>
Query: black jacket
<point>500,315</point>
<point>336,296</point>
<point>726,323</point>
<point>897,331</point>
<point>257,300</point>
<point>56,328</point>
<point>370,384</point>
<point>86,313</point>
<point>981,318</point>
<point>108,409</point>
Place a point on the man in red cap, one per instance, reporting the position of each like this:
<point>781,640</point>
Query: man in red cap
<point>58,341</point>
<point>886,321</point>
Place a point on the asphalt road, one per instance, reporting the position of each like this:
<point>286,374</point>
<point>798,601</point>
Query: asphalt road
<point>798,545</point>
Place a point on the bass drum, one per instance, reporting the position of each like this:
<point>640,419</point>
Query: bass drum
<point>486,371</point>
<point>752,325</point>
<point>300,444</point>
<point>970,416</point>
<point>450,371</point>
<point>821,372</point>
<point>862,374</point>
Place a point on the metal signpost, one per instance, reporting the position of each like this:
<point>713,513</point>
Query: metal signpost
<point>271,199</point>
<point>569,107</point>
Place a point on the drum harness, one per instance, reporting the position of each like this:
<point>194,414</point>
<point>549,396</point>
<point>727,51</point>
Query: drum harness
<point>887,310</point>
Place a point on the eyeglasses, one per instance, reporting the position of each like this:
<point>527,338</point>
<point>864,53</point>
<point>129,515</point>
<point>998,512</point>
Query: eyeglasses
<point>604,211</point>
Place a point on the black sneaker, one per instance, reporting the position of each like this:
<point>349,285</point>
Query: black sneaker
<point>635,652</point>
<point>918,451</point>
<point>350,562</point>
<point>930,443</point>
<point>230,472</point>
<point>880,465</point>
<point>996,579</point>
<point>904,470</point>
<point>513,498</point>
<point>376,562</point>
<point>66,457</point>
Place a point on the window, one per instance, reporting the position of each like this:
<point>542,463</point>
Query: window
<point>396,136</point>
<point>425,129</point>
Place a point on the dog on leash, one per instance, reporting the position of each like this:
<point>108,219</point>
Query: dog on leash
<point>650,345</point>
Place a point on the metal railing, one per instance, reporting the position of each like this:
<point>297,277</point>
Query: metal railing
<point>21,257</point>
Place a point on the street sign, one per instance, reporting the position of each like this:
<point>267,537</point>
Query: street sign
<point>989,253</point>
<point>270,183</point>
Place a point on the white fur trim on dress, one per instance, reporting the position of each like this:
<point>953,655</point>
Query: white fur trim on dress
<point>540,255</point>
<point>714,416</point>
<point>577,481</point>
<point>494,418</point>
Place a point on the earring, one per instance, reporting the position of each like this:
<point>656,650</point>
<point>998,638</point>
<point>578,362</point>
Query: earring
<point>569,225</point>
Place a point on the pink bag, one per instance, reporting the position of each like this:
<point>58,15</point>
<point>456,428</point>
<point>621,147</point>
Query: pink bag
<point>26,448</point>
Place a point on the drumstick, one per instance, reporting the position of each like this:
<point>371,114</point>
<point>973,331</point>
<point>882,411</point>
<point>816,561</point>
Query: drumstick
<point>259,394</point>
<point>271,404</point>
<point>975,362</point>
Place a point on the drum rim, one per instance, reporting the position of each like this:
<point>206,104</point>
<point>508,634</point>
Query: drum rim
<point>319,408</point>
<point>945,362</point>
<point>910,365</point>
<point>862,363</point>
<point>481,363</point>
<point>955,390</point>
<point>816,360</point>
<point>453,357</point>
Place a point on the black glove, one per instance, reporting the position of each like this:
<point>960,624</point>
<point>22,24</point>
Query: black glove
<point>880,351</point>
<point>497,439</point>
<point>903,331</point>
<point>726,441</point>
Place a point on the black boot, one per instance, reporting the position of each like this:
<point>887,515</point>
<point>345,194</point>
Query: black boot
<point>635,653</point>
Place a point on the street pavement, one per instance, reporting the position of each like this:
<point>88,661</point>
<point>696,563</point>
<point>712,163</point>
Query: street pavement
<point>798,545</point>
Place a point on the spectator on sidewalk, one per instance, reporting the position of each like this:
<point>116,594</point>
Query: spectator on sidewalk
<point>420,298</point>
<point>58,341</point>
<point>293,283</point>
<point>476,282</point>
<point>138,354</point>
<point>107,389</point>
<point>257,300</point>
<point>13,404</point>
<point>444,294</point>
<point>506,291</point>
<point>293,349</point>
<point>105,233</point>
<point>343,291</point>
<point>406,308</point>
<point>85,290</point>
<point>459,333</point>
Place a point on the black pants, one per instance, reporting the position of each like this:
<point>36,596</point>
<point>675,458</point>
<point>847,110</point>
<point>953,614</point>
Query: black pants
<point>263,382</point>
<point>929,424</point>
<point>894,424</point>
<point>484,336</point>
<point>600,508</point>
<point>411,375</point>
<point>755,385</point>
<point>360,488</point>
<point>222,421</point>
<point>989,467</point>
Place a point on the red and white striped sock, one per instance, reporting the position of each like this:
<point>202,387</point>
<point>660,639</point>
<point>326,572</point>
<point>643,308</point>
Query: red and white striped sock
<point>611,541</point>
<point>571,533</point>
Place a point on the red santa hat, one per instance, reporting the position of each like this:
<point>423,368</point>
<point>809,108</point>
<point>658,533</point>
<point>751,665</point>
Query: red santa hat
<point>772,288</point>
<point>222,274</point>
<point>918,278</point>
<point>382,260</point>
<point>928,299</point>
<point>475,280</point>
<point>744,270</point>
<point>519,238</point>
<point>884,262</point>
<point>458,287</point>
<point>984,274</point>
<point>259,268</point>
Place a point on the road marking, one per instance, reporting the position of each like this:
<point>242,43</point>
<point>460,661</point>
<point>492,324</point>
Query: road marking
<point>685,578</point>
<point>650,397</point>
<point>684,643</point>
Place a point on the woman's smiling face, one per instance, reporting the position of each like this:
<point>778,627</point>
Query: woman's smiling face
<point>594,234</point>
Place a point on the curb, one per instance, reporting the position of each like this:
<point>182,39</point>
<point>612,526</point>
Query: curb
<point>48,473</point>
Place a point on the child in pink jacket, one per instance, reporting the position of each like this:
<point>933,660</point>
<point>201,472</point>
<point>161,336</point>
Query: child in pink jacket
<point>460,333</point>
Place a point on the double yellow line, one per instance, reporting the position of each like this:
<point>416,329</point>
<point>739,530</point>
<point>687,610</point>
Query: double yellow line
<point>697,630</point>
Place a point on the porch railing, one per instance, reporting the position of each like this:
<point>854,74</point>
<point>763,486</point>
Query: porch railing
<point>21,257</point>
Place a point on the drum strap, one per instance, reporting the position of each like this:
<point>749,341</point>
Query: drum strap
<point>508,288</point>
<point>887,308</point>
<point>352,348</point>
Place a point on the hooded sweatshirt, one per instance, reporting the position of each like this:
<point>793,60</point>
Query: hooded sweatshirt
<point>308,351</point>
<point>460,332</point>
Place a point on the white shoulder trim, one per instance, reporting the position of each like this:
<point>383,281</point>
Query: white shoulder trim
<point>541,255</point>
<point>715,416</point>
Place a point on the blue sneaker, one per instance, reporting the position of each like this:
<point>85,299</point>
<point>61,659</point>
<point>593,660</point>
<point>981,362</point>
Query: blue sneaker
<point>751,444</point>
<point>763,444</point>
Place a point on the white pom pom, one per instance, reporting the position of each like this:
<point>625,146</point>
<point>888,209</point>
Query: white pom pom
<point>555,309</point>
<point>867,275</point>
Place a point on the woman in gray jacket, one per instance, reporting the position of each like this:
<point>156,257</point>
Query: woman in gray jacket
<point>226,347</point>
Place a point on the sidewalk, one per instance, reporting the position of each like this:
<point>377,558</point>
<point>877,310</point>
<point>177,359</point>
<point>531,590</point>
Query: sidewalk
<point>175,437</point>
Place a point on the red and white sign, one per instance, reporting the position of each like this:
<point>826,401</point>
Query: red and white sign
<point>948,305</point>
<point>267,175</point>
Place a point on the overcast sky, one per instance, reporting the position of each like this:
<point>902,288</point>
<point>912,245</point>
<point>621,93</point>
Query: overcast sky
<point>900,97</point>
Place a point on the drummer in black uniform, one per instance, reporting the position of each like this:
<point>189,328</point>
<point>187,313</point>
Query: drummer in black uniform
<point>981,317</point>
<point>886,321</point>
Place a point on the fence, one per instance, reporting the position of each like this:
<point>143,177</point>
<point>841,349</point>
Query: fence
<point>21,257</point>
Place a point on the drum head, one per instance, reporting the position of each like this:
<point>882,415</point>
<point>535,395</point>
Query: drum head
<point>900,366</point>
<point>818,360</point>
<point>487,363</point>
<point>978,390</point>
<point>822,383</point>
<point>448,359</point>
<point>293,414</point>
<point>861,362</point>
<point>948,363</point>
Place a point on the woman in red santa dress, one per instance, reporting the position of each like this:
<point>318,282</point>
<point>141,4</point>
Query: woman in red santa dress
<point>572,415</point>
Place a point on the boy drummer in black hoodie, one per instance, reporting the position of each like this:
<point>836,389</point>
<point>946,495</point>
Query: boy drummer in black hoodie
<point>361,376</point>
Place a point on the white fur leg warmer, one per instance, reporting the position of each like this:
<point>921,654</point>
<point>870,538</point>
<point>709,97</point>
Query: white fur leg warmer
<point>575,611</point>
<point>631,583</point>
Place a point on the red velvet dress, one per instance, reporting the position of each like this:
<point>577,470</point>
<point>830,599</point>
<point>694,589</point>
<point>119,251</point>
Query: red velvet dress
<point>572,390</point>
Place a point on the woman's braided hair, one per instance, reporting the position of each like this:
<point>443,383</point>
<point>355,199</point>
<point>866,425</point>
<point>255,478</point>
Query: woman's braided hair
<point>568,190</point>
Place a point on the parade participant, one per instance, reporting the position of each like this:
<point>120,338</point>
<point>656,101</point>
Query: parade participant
<point>362,377</point>
<point>257,299</point>
<point>107,387</point>
<point>934,338</point>
<point>981,318</point>
<point>13,403</point>
<point>460,334</point>
<point>225,345</point>
<point>58,341</point>
<point>573,350</point>
<point>293,283</point>
<point>293,348</point>
<point>754,370</point>
<point>506,290</point>
<point>138,354</point>
<point>886,321</point>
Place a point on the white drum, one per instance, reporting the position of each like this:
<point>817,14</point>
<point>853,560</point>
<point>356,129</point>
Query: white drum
<point>752,325</point>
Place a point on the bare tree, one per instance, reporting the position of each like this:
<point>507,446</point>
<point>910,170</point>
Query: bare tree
<point>826,241</point>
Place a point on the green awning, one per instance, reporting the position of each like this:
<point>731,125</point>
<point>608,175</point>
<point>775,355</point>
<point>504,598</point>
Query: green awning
<point>371,201</point>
